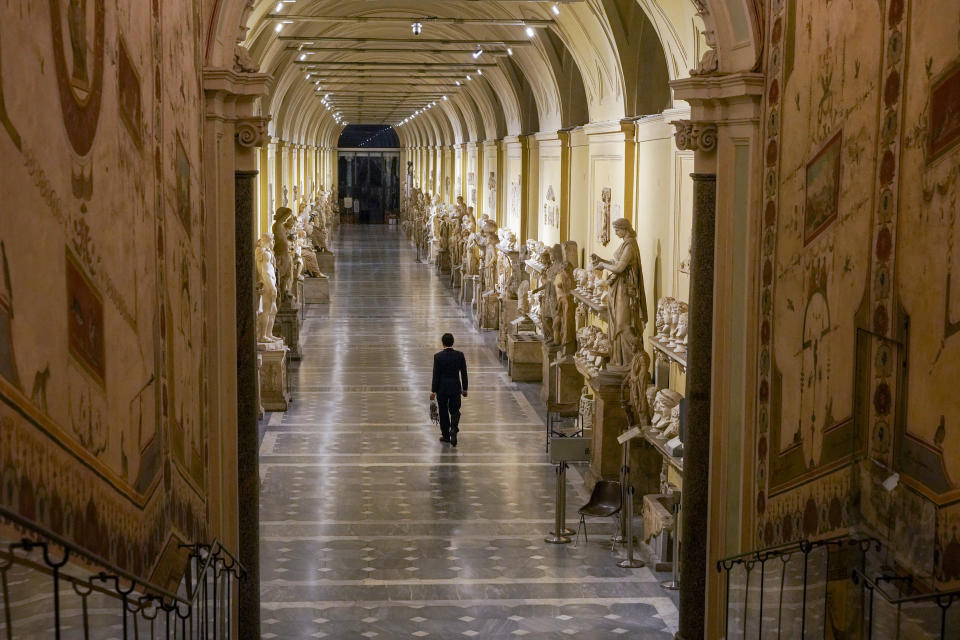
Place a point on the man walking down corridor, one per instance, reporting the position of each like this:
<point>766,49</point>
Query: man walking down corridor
<point>449,384</point>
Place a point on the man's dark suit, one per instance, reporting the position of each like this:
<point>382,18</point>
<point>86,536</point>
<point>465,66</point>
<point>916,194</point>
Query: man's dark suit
<point>449,369</point>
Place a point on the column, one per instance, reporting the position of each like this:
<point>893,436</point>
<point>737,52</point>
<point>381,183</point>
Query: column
<point>278,174</point>
<point>481,185</point>
<point>248,440</point>
<point>696,454</point>
<point>629,128</point>
<point>266,215</point>
<point>233,133</point>
<point>529,202</point>
<point>566,193</point>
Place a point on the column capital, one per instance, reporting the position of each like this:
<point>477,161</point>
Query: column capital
<point>252,131</point>
<point>693,135</point>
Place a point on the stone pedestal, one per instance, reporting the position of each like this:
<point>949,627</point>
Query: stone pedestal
<point>477,292</point>
<point>548,390</point>
<point>434,251</point>
<point>470,284</point>
<point>456,276</point>
<point>443,261</point>
<point>488,310</point>
<point>523,352</point>
<point>508,313</point>
<point>287,326</point>
<point>569,382</point>
<point>658,530</point>
<point>316,290</point>
<point>327,262</point>
<point>274,392</point>
<point>609,421</point>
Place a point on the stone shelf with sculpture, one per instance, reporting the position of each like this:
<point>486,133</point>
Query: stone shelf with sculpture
<point>659,442</point>
<point>664,349</point>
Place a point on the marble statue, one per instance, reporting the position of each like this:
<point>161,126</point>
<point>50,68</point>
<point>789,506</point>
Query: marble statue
<point>671,323</point>
<point>638,381</point>
<point>309,255</point>
<point>663,415</point>
<point>489,304</point>
<point>565,312</point>
<point>553,262</point>
<point>283,253</point>
<point>267,287</point>
<point>627,301</point>
<point>471,255</point>
<point>523,299</point>
<point>661,326</point>
<point>679,336</point>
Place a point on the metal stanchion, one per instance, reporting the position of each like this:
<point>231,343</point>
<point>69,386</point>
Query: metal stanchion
<point>627,491</point>
<point>559,527</point>
<point>621,536</point>
<point>674,584</point>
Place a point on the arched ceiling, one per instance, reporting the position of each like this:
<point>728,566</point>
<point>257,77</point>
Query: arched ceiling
<point>544,65</point>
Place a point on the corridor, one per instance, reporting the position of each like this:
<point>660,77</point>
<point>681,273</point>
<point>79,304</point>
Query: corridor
<point>371,528</point>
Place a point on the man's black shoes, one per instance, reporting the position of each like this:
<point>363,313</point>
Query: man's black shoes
<point>444,439</point>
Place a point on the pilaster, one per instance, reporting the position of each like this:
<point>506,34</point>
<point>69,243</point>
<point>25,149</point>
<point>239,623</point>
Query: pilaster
<point>723,131</point>
<point>232,133</point>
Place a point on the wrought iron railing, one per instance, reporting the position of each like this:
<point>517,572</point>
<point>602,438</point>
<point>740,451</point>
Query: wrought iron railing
<point>909,613</point>
<point>824,589</point>
<point>782,591</point>
<point>51,588</point>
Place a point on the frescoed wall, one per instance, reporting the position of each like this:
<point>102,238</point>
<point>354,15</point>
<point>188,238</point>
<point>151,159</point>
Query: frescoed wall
<point>103,426</point>
<point>860,195</point>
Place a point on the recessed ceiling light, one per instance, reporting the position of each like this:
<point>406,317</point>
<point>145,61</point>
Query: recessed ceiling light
<point>279,7</point>
<point>417,28</point>
<point>556,10</point>
<point>509,51</point>
<point>530,32</point>
<point>279,27</point>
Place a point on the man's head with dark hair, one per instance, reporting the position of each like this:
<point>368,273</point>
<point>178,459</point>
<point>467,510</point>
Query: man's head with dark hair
<point>447,340</point>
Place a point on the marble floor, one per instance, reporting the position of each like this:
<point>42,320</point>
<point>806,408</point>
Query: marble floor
<point>372,528</point>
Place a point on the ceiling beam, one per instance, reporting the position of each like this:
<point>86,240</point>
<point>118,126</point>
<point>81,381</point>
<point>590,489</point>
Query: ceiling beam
<point>497,22</point>
<point>369,63</point>
<point>505,43</point>
<point>336,49</point>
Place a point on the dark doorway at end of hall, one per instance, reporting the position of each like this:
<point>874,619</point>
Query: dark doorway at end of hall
<point>368,174</point>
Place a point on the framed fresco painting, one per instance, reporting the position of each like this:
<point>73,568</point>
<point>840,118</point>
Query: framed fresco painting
<point>944,125</point>
<point>822,189</point>
<point>85,318</point>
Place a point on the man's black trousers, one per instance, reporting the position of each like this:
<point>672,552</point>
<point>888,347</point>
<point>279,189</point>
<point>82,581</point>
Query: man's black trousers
<point>449,405</point>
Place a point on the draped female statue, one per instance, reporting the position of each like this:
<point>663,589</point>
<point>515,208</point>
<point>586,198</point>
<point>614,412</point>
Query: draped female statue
<point>627,303</point>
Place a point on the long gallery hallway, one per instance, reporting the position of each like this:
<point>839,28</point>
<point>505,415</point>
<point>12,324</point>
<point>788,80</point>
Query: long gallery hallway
<point>372,528</point>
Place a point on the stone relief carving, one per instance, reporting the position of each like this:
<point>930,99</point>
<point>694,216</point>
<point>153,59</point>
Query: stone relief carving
<point>695,136</point>
<point>709,61</point>
<point>252,132</point>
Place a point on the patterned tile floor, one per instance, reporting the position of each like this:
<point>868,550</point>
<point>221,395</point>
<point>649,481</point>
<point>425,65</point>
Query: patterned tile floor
<point>371,528</point>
